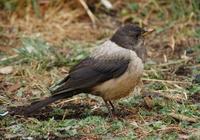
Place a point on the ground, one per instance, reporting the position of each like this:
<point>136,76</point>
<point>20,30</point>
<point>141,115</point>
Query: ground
<point>38,47</point>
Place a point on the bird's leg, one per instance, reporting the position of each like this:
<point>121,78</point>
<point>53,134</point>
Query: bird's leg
<point>109,110</point>
<point>113,107</point>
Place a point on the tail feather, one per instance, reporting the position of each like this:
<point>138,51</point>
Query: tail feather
<point>42,103</point>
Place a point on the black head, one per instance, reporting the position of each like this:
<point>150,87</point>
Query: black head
<point>130,37</point>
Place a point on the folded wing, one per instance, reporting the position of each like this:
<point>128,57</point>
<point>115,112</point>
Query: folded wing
<point>90,72</point>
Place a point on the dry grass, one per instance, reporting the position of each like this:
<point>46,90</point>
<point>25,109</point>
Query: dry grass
<point>57,23</point>
<point>170,109</point>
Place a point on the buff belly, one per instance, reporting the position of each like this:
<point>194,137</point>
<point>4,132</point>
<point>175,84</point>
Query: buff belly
<point>123,85</point>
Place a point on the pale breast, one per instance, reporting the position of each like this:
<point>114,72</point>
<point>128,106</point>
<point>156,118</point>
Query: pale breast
<point>123,85</point>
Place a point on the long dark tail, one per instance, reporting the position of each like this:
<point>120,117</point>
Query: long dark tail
<point>42,103</point>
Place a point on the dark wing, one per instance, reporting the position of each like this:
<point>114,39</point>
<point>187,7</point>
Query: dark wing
<point>90,72</point>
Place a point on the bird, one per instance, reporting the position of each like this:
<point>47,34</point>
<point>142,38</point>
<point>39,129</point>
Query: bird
<point>112,70</point>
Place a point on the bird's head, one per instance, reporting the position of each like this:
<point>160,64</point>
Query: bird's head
<point>131,37</point>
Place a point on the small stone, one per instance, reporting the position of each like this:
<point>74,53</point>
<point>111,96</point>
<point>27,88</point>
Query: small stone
<point>6,70</point>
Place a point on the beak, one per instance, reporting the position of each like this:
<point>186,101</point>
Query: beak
<point>147,32</point>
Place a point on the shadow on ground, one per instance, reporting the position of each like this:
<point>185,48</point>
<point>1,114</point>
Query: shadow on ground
<point>70,111</point>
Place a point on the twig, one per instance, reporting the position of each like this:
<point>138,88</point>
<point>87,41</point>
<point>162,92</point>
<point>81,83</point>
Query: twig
<point>166,96</point>
<point>165,81</point>
<point>69,100</point>
<point>7,58</point>
<point>3,114</point>
<point>172,128</point>
<point>173,62</point>
<point>183,117</point>
<point>64,115</point>
<point>90,14</point>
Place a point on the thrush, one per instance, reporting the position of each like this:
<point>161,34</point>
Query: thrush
<point>111,71</point>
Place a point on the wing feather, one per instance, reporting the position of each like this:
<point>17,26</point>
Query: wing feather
<point>90,72</point>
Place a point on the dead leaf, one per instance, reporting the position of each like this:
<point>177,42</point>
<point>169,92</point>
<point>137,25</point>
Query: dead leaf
<point>107,4</point>
<point>14,87</point>
<point>148,101</point>
<point>6,70</point>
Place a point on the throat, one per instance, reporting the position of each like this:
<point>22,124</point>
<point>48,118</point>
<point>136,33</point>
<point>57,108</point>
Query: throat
<point>140,50</point>
<point>141,53</point>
